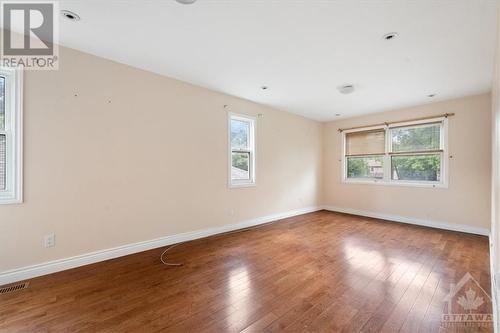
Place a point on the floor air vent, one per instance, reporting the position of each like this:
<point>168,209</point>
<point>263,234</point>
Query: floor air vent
<point>15,287</point>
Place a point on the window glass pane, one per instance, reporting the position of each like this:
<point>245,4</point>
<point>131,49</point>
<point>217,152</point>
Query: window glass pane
<point>364,143</point>
<point>239,134</point>
<point>416,167</point>
<point>2,103</point>
<point>365,167</point>
<point>240,169</point>
<point>416,138</point>
<point>3,162</point>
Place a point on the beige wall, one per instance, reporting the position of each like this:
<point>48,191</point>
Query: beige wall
<point>495,175</point>
<point>115,155</point>
<point>467,199</point>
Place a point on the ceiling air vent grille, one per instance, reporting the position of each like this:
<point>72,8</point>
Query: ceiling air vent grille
<point>15,287</point>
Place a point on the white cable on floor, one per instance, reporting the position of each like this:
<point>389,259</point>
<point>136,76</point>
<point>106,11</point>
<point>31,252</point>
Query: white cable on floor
<point>166,250</point>
<point>166,263</point>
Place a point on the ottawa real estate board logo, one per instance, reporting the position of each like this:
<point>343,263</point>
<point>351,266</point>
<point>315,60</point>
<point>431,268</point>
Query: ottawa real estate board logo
<point>468,306</point>
<point>29,35</point>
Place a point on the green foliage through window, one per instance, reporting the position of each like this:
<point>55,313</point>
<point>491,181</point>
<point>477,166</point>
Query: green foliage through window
<point>416,167</point>
<point>240,160</point>
<point>239,133</point>
<point>414,139</point>
<point>365,167</point>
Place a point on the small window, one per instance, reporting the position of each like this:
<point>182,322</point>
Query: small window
<point>408,153</point>
<point>10,136</point>
<point>241,150</point>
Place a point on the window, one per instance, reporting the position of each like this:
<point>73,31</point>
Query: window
<point>365,154</point>
<point>10,136</point>
<point>241,150</point>
<point>410,153</point>
<point>416,153</point>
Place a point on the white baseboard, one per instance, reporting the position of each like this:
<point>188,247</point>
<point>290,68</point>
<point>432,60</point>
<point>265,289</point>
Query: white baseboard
<point>28,272</point>
<point>97,256</point>
<point>411,220</point>
<point>494,293</point>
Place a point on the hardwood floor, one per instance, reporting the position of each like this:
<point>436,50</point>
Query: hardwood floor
<point>319,272</point>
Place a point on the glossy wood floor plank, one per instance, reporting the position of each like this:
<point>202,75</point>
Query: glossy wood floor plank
<point>319,272</point>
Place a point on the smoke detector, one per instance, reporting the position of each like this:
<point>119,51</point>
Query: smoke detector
<point>346,89</point>
<point>390,36</point>
<point>70,15</point>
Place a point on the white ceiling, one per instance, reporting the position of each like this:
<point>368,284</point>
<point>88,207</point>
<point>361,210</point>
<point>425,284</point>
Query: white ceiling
<point>302,49</point>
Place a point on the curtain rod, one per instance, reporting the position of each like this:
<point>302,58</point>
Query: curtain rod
<point>446,115</point>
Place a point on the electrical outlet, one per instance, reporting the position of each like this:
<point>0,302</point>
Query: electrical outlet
<point>49,240</point>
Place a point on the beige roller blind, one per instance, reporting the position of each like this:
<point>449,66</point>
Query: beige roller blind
<point>365,143</point>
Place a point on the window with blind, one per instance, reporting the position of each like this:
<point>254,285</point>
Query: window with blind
<point>406,153</point>
<point>241,150</point>
<point>365,154</point>
<point>10,136</point>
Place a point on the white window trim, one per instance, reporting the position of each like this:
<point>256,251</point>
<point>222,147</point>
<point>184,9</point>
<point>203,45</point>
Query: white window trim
<point>253,155</point>
<point>387,181</point>
<point>13,193</point>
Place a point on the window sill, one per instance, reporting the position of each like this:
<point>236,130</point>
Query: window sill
<point>395,183</point>
<point>242,185</point>
<point>10,200</point>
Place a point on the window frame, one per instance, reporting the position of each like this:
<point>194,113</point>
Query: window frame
<point>238,183</point>
<point>387,156</point>
<point>13,193</point>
